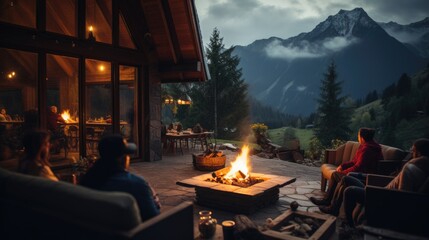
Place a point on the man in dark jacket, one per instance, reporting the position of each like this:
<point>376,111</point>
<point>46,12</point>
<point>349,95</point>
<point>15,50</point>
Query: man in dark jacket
<point>110,173</point>
<point>364,161</point>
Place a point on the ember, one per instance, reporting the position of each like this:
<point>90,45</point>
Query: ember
<point>238,173</point>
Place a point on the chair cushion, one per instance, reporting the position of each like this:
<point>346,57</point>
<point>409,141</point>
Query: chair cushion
<point>74,204</point>
<point>327,169</point>
<point>348,153</point>
<point>392,153</point>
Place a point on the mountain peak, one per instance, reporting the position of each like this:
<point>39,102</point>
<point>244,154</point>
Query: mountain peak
<point>345,21</point>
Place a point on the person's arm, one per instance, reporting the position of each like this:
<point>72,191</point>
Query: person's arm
<point>361,162</point>
<point>145,200</point>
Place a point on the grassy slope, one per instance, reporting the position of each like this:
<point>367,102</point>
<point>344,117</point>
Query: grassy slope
<point>304,135</point>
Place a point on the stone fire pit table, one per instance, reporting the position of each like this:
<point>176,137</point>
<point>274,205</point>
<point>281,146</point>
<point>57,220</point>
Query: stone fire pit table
<point>237,199</point>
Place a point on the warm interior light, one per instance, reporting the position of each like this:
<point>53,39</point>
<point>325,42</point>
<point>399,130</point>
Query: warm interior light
<point>66,115</point>
<point>13,73</point>
<point>9,75</point>
<point>101,68</point>
<point>90,28</point>
<point>240,165</point>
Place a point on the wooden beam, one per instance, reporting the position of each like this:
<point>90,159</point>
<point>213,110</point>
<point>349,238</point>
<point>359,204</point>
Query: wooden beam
<point>173,40</point>
<point>136,21</point>
<point>12,36</point>
<point>193,66</point>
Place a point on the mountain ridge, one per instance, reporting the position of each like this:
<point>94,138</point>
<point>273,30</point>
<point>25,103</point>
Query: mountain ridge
<point>285,73</point>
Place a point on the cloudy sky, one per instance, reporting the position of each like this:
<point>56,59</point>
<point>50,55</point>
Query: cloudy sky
<point>242,21</point>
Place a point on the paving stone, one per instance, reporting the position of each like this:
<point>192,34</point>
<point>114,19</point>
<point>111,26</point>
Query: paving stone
<point>298,196</point>
<point>301,190</point>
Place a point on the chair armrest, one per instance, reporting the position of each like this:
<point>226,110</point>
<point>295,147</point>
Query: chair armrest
<point>378,180</point>
<point>397,210</point>
<point>170,224</point>
<point>387,167</point>
<point>330,156</point>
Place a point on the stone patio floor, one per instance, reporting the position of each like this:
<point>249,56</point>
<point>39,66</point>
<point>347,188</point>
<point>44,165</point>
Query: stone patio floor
<point>164,174</point>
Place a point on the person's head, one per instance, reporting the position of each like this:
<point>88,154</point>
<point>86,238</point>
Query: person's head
<point>115,149</point>
<point>54,109</point>
<point>420,148</point>
<point>36,146</point>
<point>3,110</point>
<point>366,134</point>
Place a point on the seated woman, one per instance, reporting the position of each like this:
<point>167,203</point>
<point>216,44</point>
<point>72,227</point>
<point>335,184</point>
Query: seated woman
<point>364,161</point>
<point>36,155</point>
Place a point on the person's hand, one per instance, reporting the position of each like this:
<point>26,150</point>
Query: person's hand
<point>339,169</point>
<point>155,197</point>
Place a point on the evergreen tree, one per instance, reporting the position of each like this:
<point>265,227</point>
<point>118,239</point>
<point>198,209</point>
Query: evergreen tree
<point>221,102</point>
<point>404,85</point>
<point>333,118</point>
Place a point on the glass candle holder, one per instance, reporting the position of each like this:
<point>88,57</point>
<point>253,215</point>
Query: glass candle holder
<point>207,224</point>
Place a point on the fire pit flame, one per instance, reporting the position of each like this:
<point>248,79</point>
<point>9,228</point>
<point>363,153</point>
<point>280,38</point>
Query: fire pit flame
<point>240,168</point>
<point>238,173</point>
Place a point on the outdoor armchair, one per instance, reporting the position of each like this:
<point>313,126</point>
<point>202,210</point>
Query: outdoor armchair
<point>395,210</point>
<point>334,157</point>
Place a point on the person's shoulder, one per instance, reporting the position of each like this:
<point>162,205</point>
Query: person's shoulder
<point>419,159</point>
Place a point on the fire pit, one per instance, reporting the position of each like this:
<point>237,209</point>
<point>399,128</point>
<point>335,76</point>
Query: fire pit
<point>235,188</point>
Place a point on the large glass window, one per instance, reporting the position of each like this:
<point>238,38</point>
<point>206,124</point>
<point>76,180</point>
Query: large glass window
<point>98,102</point>
<point>99,20</point>
<point>125,39</point>
<point>63,105</point>
<point>61,16</point>
<point>128,103</point>
<point>20,12</point>
<point>18,99</point>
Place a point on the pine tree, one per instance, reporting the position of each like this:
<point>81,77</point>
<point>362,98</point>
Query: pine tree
<point>221,103</point>
<point>333,118</point>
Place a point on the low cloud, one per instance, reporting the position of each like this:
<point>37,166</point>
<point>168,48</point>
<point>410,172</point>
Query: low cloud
<point>305,49</point>
<point>407,37</point>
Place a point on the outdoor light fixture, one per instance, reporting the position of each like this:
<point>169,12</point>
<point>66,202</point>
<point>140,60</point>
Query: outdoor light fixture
<point>184,100</point>
<point>168,99</point>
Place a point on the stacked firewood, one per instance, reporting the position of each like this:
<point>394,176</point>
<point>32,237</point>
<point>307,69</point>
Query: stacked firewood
<point>212,152</point>
<point>301,227</point>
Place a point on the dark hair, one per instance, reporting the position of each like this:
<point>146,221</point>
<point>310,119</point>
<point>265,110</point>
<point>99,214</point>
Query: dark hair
<point>367,133</point>
<point>422,146</point>
<point>32,142</point>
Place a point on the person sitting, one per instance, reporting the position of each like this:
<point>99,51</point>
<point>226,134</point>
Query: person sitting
<point>53,118</point>
<point>411,178</point>
<point>364,161</point>
<point>197,128</point>
<point>109,173</point>
<point>4,116</point>
<point>36,155</point>
<point>54,121</point>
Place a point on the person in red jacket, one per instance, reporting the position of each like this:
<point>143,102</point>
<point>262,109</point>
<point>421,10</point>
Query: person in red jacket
<point>364,161</point>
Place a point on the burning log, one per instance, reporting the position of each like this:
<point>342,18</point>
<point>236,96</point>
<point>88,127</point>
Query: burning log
<point>220,173</point>
<point>240,174</point>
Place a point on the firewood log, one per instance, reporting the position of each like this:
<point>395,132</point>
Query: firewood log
<point>246,229</point>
